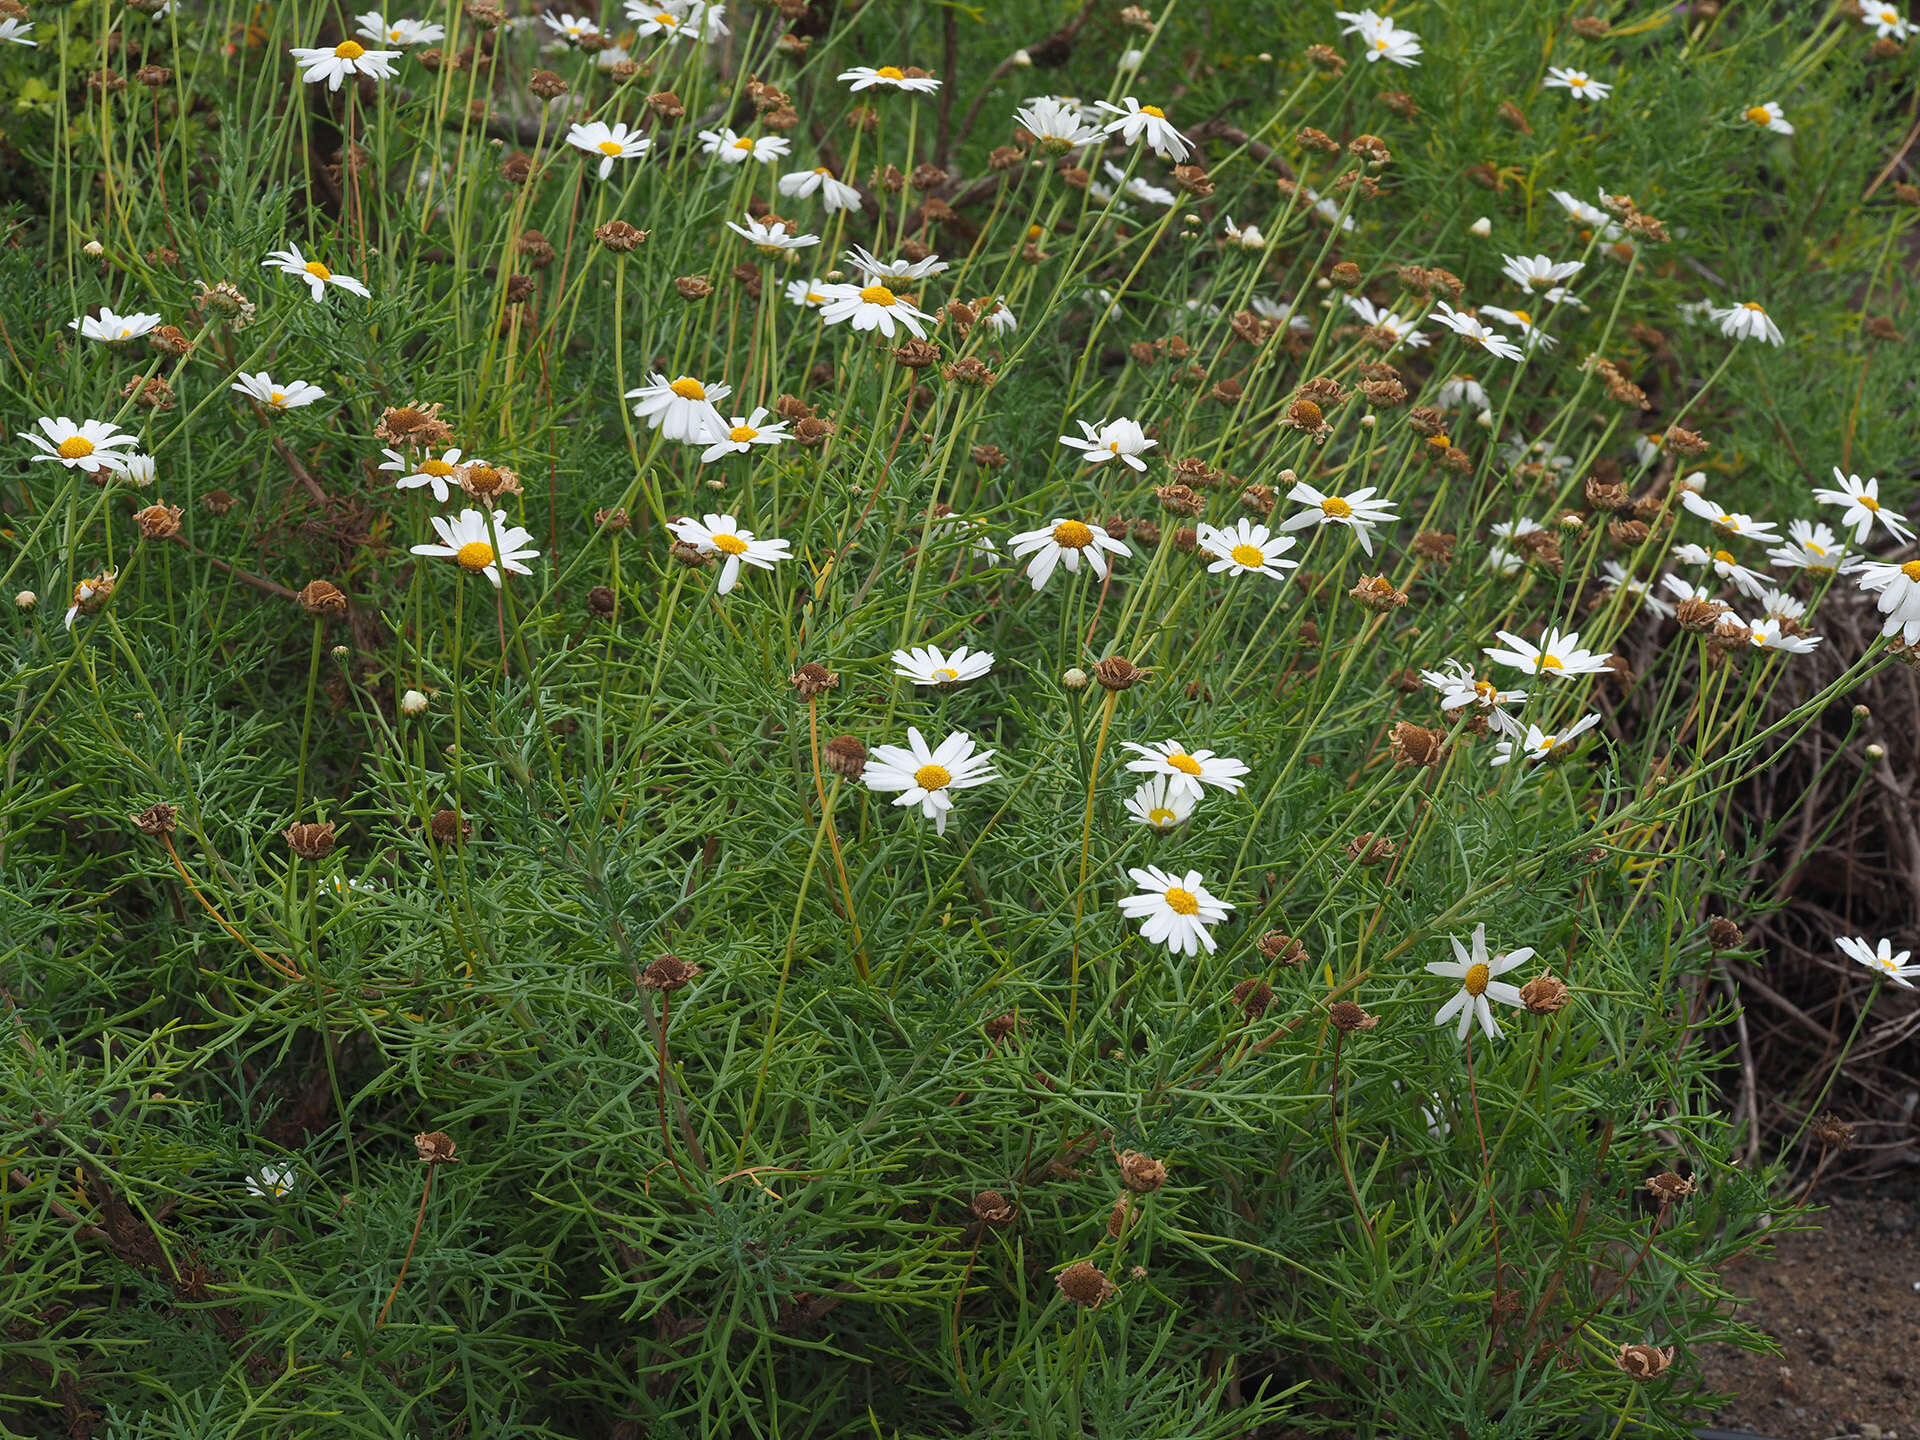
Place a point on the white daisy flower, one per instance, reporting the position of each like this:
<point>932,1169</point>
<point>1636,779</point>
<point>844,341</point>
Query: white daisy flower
<point>873,307</point>
<point>1280,313</point>
<point>1582,85</point>
<point>1056,124</point>
<point>1747,320</point>
<point>1476,971</point>
<point>1889,22</point>
<point>707,21</point>
<point>288,395</point>
<point>836,195</point>
<point>378,30</point>
<point>333,63</point>
<point>1503,561</point>
<point>1514,529</point>
<point>1358,511</point>
<point>866,77</point>
<point>658,19</point>
<point>1812,547</point>
<point>1247,549</point>
<point>1121,439</point>
<point>928,778</point>
<point>1068,541</point>
<point>773,239</point>
<point>1860,507</point>
<point>1459,688</point>
<point>722,535</point>
<point>680,409</point>
<point>317,276</point>
<point>17,31</point>
<point>1771,634</point>
<point>1522,320</point>
<point>112,329</point>
<point>1186,771</point>
<point>994,314</point>
<point>1591,216</point>
<point>1617,578</point>
<point>1461,392</point>
<point>1247,237</point>
<point>974,532</point>
<point>1138,188</point>
<point>1898,587</point>
<point>732,149</point>
<point>1733,522</point>
<point>742,435</point>
<point>437,473</point>
<point>1375,317</point>
<point>1778,605</point>
<point>1557,655</point>
<point>609,142</point>
<point>139,471</point>
<point>808,294</point>
<point>86,592</point>
<point>1724,564</point>
<point>1538,745</point>
<point>1469,329</point>
<point>1539,272</point>
<point>574,28</point>
<point>1384,40</point>
<point>1684,590</point>
<point>1134,122</point>
<point>468,541</point>
<point>86,445</point>
<point>1880,958</point>
<point>272,1182</point>
<point>925,665</point>
<point>1178,910</point>
<point>1768,117</point>
<point>1159,805</point>
<point>872,268</point>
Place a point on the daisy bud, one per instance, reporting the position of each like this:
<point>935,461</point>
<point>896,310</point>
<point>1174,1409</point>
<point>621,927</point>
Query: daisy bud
<point>811,680</point>
<point>1279,946</point>
<point>846,757</point>
<point>1348,1017</point>
<point>158,522</point>
<point>1253,997</point>
<point>413,703</point>
<point>94,248</point>
<point>1085,1284</point>
<point>1074,679</point>
<point>310,841</point>
<point>1876,751</point>
<point>1644,1362</point>
<point>1141,1173</point>
<point>156,820</point>
<point>1116,672</point>
<point>322,597</point>
<point>990,1207</point>
<point>1544,994</point>
<point>1483,227</point>
<point>435,1147</point>
<point>26,600</point>
<point>449,827</point>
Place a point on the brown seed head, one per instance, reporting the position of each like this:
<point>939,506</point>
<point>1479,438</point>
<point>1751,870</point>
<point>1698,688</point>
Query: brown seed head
<point>1312,139</point>
<point>1325,57</point>
<point>1644,1362</point>
<point>969,370</point>
<point>1434,545</point>
<point>1415,744</point>
<point>1141,1173</point>
<point>812,430</point>
<point>1346,275</point>
<point>693,287</point>
<point>1591,27</point>
<point>1004,157</point>
<point>547,85</point>
<point>1685,442</point>
<point>1085,1284</point>
<point>322,597</point>
<point>449,827</point>
<point>812,679</point>
<point>1369,849</point>
<point>1348,1017</point>
<point>1253,996</point>
<point>1669,1187</point>
<point>520,289</point>
<point>1180,499</point>
<point>435,1147</point>
<point>217,502</point>
<point>1544,994</point>
<point>1701,617</point>
<point>1281,947</point>
<point>158,522</point>
<point>414,425</point>
<point>1723,935</point>
<point>1116,672</point>
<point>1628,534</point>
<point>535,249</point>
<point>152,393</point>
<point>1370,148</point>
<point>1118,1216</point>
<point>1400,103</point>
<point>487,482</point>
<point>917,354</point>
<point>990,1207</point>
<point>170,340</point>
<point>666,105</point>
<point>601,600</point>
<point>1377,593</point>
<point>311,840</point>
<point>157,819</point>
<point>1194,180</point>
<point>516,166</point>
<point>667,974</point>
<point>1828,1128</point>
<point>1879,327</point>
<point>846,757</point>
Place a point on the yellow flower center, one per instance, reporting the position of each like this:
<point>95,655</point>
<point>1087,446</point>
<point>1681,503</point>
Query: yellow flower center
<point>1753,305</point>
<point>945,676</point>
<point>1113,447</point>
<point>1442,441</point>
<point>729,544</point>
<point>1758,115</point>
<point>932,777</point>
<point>1729,522</point>
<point>1153,110</point>
<point>740,434</point>
<point>1485,690</point>
<point>474,555</point>
<point>1251,556</point>
<point>1552,662</point>
<point>687,388</point>
<point>1911,570</point>
<point>349,50</point>
<point>318,271</point>
<point>393,34</point>
<point>608,147</point>
<point>1334,508</point>
<point>439,469</point>
<point>1160,819</point>
<point>1474,982</point>
<point>822,170</point>
<point>876,295</point>
<point>814,297</point>
<point>743,143</point>
<point>889,72</point>
<point>1072,535</point>
<point>1523,317</point>
<point>1867,502</point>
<point>276,397</point>
<point>1576,81</point>
<point>75,447</point>
<point>1184,763</point>
<point>1034,232</point>
<point>663,18</point>
<point>1724,557</point>
<point>1381,43</point>
<point>1182,902</point>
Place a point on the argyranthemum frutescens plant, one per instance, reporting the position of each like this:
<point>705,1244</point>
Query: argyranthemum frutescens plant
<point>723,724</point>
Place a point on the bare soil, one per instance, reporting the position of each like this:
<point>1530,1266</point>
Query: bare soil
<point>1843,1304</point>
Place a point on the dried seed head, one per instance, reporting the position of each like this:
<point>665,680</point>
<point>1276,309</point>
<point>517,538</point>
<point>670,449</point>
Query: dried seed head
<point>158,522</point>
<point>1085,1284</point>
<point>1001,1026</point>
<point>1370,148</point>
<point>1377,593</point>
<point>1194,180</point>
<point>547,85</point>
<point>693,287</point>
<point>322,597</point>
<point>846,757</point>
<point>516,167</point>
<point>170,340</point>
<point>1385,394</point>
<point>1346,275</point>
<point>487,482</point>
<point>1258,499</point>
<point>992,457</point>
<point>1144,532</point>
<point>151,393</point>
<point>435,1147</point>
<point>1004,157</point>
<point>1591,27</point>
<point>917,354</point>
<point>1434,545</point>
<point>1669,1187</point>
<point>1312,139</point>
<point>1602,495</point>
<point>449,827</point>
<point>691,556</point>
<point>812,430</point>
<point>667,105</point>
<point>1723,935</point>
<point>312,840</point>
<point>990,1207</point>
<point>1253,997</point>
<point>1282,948</point>
<point>217,502</point>
<point>1828,1128</point>
<point>1141,1173</point>
<point>414,425</point>
<point>1701,617</point>
<point>1685,442</point>
<point>1325,57</point>
<point>1348,1017</point>
<point>1400,103</point>
<point>1628,534</point>
<point>667,974</point>
<point>969,370</point>
<point>157,819</point>
<point>1415,744</point>
<point>1116,672</point>
<point>1180,499</point>
<point>927,177</point>
<point>1544,994</point>
<point>1367,848</point>
<point>535,249</point>
<point>1118,1216</point>
<point>811,680</point>
<point>1879,327</point>
<point>601,600</point>
<point>1644,1362</point>
<point>1425,420</point>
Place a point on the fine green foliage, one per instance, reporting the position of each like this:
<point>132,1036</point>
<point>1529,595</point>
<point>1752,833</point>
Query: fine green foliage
<point>929,1140</point>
